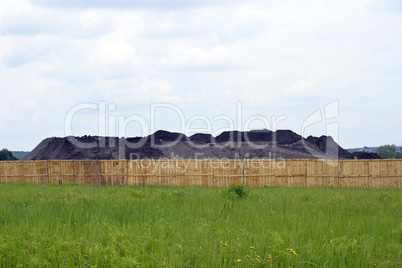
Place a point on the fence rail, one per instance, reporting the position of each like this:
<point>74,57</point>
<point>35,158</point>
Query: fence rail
<point>209,173</point>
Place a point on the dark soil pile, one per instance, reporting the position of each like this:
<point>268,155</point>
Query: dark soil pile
<point>163,144</point>
<point>325,142</point>
<point>365,155</point>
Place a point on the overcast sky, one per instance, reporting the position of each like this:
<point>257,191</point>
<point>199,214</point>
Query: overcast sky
<point>157,64</point>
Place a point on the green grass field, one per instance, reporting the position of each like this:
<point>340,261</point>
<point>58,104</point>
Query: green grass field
<point>85,226</point>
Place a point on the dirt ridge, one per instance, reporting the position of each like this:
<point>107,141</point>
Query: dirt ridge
<point>264,143</point>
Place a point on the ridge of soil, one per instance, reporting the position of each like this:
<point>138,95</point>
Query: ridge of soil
<point>164,144</point>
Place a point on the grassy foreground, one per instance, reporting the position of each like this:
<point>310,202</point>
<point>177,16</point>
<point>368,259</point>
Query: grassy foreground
<point>85,226</point>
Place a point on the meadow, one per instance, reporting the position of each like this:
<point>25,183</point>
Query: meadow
<point>154,226</point>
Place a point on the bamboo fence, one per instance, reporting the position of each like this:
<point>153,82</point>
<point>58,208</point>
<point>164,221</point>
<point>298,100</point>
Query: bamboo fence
<point>209,173</point>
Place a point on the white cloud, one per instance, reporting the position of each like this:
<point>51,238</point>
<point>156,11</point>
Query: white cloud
<point>30,21</point>
<point>185,58</point>
<point>287,57</point>
<point>302,87</point>
<point>124,4</point>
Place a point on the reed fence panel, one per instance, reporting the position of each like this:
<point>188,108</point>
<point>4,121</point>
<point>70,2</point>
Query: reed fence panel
<point>384,173</point>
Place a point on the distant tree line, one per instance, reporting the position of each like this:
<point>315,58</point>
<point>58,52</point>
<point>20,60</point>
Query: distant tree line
<point>20,154</point>
<point>6,155</point>
<point>389,151</point>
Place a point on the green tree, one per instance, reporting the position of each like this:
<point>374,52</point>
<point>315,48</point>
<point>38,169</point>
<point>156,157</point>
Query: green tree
<point>388,151</point>
<point>6,155</point>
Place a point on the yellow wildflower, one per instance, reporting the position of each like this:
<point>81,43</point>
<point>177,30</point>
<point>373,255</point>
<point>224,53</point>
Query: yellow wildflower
<point>238,260</point>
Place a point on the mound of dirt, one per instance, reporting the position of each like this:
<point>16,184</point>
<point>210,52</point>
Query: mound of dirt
<point>325,142</point>
<point>366,155</point>
<point>163,144</point>
<point>166,136</point>
<point>258,135</point>
<point>202,138</point>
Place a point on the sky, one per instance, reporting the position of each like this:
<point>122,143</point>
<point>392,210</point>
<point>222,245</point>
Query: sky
<point>128,68</point>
